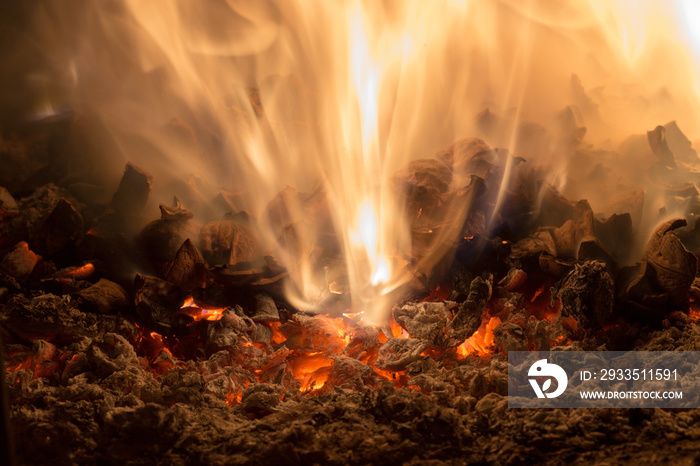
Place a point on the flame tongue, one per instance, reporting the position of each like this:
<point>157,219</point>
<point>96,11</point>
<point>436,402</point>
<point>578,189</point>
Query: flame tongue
<point>267,94</point>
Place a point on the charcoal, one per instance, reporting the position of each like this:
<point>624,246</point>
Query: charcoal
<point>82,272</point>
<point>679,144</point>
<point>587,293</point>
<point>8,286</point>
<point>263,334</point>
<point>49,316</point>
<point>262,398</point>
<point>228,242</point>
<point>397,353</point>
<point>626,203</point>
<point>510,337</point>
<point>104,297</point>
<point>215,295</point>
<point>426,321</point>
<point>232,330</point>
<point>351,374</point>
<point>590,249</point>
<point>157,303</point>
<point>570,134</point>
<point>313,334</point>
<point>62,231</point>
<point>615,234</point>
<point>514,279</point>
<point>111,353</point>
<point>33,212</point>
<point>133,191</point>
<point>283,209</point>
<point>8,205</point>
<point>673,264</point>
<point>659,146</point>
<point>19,262</point>
<point>569,235</point>
<point>231,201</point>
<point>638,284</point>
<point>466,155</point>
<point>461,278</point>
<point>265,309</point>
<point>188,269</point>
<point>423,185</point>
<point>539,242</point>
<point>112,252</point>
<point>555,209</point>
<point>363,343</point>
<point>62,286</point>
<point>468,317</point>
<point>161,239</point>
<point>554,266</point>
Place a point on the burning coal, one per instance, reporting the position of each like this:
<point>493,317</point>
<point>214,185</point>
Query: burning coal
<point>375,200</point>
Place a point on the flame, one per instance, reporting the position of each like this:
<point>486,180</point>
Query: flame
<point>255,96</point>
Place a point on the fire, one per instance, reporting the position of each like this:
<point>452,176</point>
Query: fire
<point>332,98</point>
<point>342,94</point>
<point>190,308</point>
<point>480,343</point>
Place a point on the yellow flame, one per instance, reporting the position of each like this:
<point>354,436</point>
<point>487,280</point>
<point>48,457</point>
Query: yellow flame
<point>343,94</point>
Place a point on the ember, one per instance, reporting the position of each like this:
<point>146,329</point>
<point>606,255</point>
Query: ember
<point>306,261</point>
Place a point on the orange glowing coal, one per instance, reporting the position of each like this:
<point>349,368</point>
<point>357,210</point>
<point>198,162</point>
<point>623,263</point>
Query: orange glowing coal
<point>190,308</point>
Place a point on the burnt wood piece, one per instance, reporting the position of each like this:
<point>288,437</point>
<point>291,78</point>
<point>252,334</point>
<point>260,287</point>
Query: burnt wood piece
<point>364,342</point>
<point>423,185</point>
<point>555,209</point>
<point>8,205</point>
<point>590,249</point>
<point>542,241</point>
<point>514,279</point>
<point>228,242</point>
<point>283,209</point>
<point>674,266</point>
<point>468,156</point>
<point>161,239</point>
<point>615,235</point>
<point>19,262</point>
<point>234,329</point>
<point>62,231</point>
<point>468,317</point>
<point>679,144</point>
<point>461,279</point>
<point>351,374</point>
<point>104,297</point>
<point>397,353</point>
<point>133,191</point>
<point>569,235</point>
<point>188,270</point>
<point>157,303</point>
<point>427,322</point>
<point>553,265</point>
<point>262,399</point>
<point>52,317</point>
<point>265,309</point>
<point>659,146</point>
<point>33,212</point>
<point>587,293</point>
